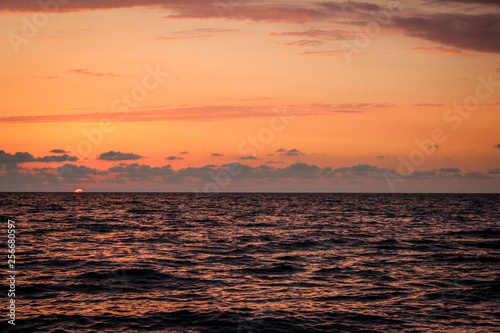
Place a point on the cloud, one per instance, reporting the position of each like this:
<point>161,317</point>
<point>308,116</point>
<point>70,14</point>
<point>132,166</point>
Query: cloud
<point>14,180</point>
<point>197,33</point>
<point>250,157</point>
<point>184,152</point>
<point>321,53</point>
<point>470,2</point>
<point>449,25</point>
<point>58,151</point>
<point>471,32</point>
<point>429,105</point>
<point>55,158</point>
<point>18,157</point>
<point>476,175</point>
<point>360,168</point>
<point>10,167</point>
<point>301,170</point>
<point>292,152</point>
<point>45,77</point>
<point>156,178</point>
<point>201,173</point>
<point>296,170</point>
<point>279,11</point>
<point>497,146</point>
<point>189,9</point>
<point>422,174</point>
<point>438,50</point>
<point>76,174</point>
<point>118,156</point>
<point>217,155</point>
<point>303,42</point>
<point>354,108</point>
<point>449,170</point>
<point>85,71</point>
<point>363,106</point>
<point>202,113</point>
<point>356,171</point>
<point>173,158</point>
<point>136,172</point>
<point>318,34</point>
<point>208,173</point>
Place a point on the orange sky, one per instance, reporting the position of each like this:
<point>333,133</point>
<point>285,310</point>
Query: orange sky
<point>359,83</point>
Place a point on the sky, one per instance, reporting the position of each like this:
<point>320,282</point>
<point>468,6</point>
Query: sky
<point>250,96</point>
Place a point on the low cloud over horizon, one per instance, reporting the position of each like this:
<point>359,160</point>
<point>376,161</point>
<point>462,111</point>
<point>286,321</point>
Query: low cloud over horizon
<point>226,177</point>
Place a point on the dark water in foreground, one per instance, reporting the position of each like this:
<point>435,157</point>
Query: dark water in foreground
<point>254,262</point>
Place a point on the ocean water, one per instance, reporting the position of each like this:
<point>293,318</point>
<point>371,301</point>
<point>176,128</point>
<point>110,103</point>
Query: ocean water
<point>107,262</point>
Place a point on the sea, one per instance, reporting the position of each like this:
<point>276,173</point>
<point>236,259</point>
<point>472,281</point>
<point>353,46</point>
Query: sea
<point>275,262</point>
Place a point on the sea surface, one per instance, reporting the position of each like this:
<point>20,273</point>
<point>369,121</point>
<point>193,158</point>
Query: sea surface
<point>158,262</point>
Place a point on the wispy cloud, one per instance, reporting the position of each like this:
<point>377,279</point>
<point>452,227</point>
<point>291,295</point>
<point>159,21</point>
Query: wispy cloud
<point>85,71</point>
<point>318,34</point>
<point>428,105</point>
<point>202,113</point>
<point>200,33</point>
<point>45,77</point>
<point>303,42</point>
<point>468,2</point>
<point>438,50</point>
